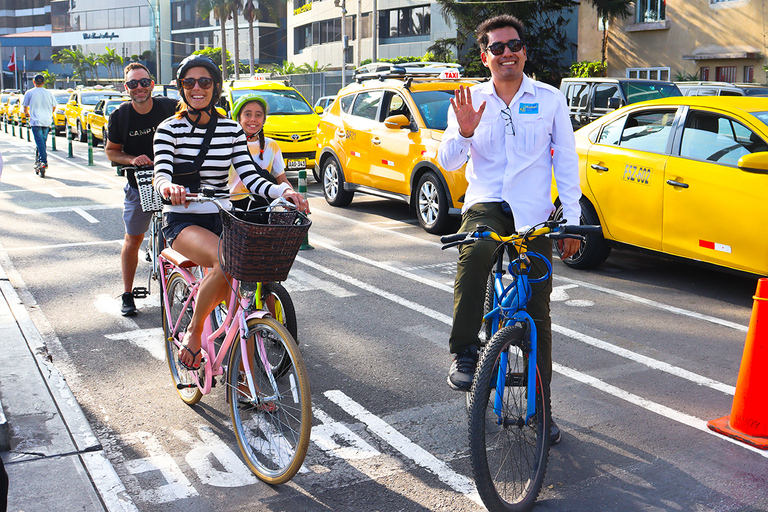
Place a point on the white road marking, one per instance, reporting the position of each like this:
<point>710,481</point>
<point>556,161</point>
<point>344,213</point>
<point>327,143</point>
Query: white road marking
<point>87,216</point>
<point>559,294</point>
<point>210,447</point>
<point>654,304</point>
<point>59,209</point>
<point>177,486</point>
<point>298,280</point>
<point>65,246</point>
<point>405,446</point>
<point>352,446</point>
<point>150,340</point>
<point>659,409</point>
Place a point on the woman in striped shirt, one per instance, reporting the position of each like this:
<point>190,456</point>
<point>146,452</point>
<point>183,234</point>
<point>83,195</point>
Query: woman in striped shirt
<point>193,229</point>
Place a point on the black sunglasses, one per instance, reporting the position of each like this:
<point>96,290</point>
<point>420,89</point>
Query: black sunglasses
<point>514,45</point>
<point>144,82</point>
<point>189,83</point>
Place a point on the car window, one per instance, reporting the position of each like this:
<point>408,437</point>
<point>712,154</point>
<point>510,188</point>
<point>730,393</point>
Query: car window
<point>717,138</point>
<point>643,91</point>
<point>433,107</point>
<point>755,91</point>
<point>725,92</point>
<point>648,130</point>
<point>61,98</point>
<point>94,97</point>
<point>611,133</point>
<point>279,101</point>
<point>345,102</point>
<point>577,95</point>
<point>396,106</point>
<point>605,92</point>
<point>367,104</point>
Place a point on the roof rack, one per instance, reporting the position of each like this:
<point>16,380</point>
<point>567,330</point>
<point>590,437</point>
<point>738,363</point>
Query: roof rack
<point>382,70</point>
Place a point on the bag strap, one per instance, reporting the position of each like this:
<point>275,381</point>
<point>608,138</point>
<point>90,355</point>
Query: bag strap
<point>206,141</point>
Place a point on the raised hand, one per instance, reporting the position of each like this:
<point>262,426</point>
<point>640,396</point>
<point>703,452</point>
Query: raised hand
<point>466,115</point>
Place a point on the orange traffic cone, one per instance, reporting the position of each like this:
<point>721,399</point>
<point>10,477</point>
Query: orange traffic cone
<point>748,421</point>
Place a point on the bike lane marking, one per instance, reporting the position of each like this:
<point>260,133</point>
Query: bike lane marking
<point>405,446</point>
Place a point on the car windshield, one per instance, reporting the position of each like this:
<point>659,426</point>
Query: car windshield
<point>92,98</point>
<point>644,91</point>
<point>280,102</point>
<point>755,91</point>
<point>112,105</point>
<point>762,116</point>
<point>61,99</point>
<point>433,106</point>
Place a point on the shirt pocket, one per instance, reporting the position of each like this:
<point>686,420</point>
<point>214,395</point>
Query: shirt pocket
<point>487,137</point>
<point>533,134</point>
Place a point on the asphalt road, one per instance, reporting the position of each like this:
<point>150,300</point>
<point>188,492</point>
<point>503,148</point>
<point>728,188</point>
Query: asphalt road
<point>647,350</point>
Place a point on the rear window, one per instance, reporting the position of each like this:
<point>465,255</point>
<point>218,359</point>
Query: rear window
<point>644,91</point>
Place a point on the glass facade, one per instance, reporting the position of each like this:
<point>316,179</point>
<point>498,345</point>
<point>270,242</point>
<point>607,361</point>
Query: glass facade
<point>405,22</point>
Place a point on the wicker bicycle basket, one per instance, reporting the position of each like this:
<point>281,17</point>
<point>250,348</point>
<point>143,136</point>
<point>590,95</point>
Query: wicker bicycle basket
<point>254,251</point>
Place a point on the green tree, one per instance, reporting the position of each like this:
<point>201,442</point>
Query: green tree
<point>50,78</point>
<point>235,6</point>
<point>607,11</point>
<point>74,58</point>
<point>315,67</point>
<point>221,10</point>
<point>586,68</point>
<point>545,29</point>
<point>92,62</point>
<point>267,10</point>
<point>286,68</point>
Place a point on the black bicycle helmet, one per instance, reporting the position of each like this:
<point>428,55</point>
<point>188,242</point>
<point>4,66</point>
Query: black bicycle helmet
<point>195,61</point>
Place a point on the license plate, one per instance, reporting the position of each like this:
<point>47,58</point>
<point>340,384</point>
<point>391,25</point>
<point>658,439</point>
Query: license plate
<point>297,163</point>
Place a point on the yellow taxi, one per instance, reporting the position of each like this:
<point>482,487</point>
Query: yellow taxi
<point>98,120</point>
<point>380,136</point>
<point>82,101</point>
<point>291,121</point>
<point>58,116</point>
<point>16,114</point>
<point>4,103</point>
<point>684,176</point>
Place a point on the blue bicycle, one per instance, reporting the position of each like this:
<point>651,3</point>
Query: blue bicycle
<point>508,426</point>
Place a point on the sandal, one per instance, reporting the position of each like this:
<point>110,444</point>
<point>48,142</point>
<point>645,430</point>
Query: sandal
<point>194,354</point>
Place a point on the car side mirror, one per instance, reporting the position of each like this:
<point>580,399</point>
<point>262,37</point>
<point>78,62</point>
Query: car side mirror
<point>319,110</point>
<point>98,112</point>
<point>754,162</point>
<point>397,122</point>
<point>614,103</point>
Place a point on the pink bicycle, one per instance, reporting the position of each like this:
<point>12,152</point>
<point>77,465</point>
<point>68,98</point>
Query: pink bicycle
<point>249,352</point>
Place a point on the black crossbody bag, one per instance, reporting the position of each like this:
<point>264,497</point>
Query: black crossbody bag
<point>187,174</point>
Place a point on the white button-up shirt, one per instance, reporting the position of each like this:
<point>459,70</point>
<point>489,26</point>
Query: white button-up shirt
<point>511,157</point>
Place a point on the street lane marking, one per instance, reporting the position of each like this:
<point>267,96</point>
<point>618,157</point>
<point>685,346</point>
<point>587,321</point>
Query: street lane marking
<point>158,460</point>
<point>148,339</point>
<point>300,281</point>
<point>654,304</point>
<point>90,218</point>
<point>405,446</point>
<point>659,409</point>
<point>59,209</point>
<point>63,246</point>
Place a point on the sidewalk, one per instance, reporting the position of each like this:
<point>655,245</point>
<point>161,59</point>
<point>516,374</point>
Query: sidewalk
<point>53,459</point>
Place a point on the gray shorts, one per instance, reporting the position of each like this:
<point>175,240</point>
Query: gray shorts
<point>136,220</point>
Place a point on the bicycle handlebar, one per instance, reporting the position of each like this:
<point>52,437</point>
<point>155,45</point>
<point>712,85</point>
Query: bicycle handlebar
<point>550,229</point>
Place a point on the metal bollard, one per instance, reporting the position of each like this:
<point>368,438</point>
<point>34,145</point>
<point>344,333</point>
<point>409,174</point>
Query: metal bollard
<point>13,130</point>
<point>303,191</point>
<point>53,135</point>
<point>29,128</point>
<point>90,146</point>
<point>70,136</point>
<point>21,129</point>
<point>5,123</point>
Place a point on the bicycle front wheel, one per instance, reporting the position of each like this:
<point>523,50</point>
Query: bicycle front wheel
<point>184,381</point>
<point>272,422</point>
<point>509,453</point>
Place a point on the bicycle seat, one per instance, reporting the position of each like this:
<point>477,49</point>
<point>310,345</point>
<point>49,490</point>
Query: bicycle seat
<point>177,258</point>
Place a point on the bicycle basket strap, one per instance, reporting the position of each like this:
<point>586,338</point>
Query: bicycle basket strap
<point>150,199</point>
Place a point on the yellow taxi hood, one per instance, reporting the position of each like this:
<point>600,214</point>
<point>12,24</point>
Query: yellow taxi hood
<point>291,123</point>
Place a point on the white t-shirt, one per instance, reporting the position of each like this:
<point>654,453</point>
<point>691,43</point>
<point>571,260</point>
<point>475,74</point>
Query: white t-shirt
<point>271,161</point>
<point>40,102</point>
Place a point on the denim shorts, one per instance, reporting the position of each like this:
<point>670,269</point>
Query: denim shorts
<point>135,219</point>
<point>174,223</point>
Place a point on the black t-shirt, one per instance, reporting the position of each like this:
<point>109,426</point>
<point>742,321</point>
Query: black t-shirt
<point>137,139</point>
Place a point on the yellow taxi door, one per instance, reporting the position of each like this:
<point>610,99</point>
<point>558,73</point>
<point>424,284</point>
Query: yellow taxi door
<point>391,148</point>
<point>710,205</point>
<point>625,173</point>
<point>358,125</point>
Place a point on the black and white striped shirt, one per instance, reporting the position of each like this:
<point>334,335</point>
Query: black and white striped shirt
<point>178,140</point>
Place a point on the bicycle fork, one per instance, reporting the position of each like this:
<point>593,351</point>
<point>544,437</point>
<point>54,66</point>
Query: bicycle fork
<point>246,333</point>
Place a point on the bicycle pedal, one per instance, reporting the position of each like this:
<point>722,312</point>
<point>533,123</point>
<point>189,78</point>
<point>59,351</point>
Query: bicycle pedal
<point>186,386</point>
<point>140,292</point>
<point>148,257</point>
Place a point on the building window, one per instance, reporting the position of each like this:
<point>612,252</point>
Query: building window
<point>749,74</point>
<point>649,73</point>
<point>405,22</point>
<point>649,11</point>
<point>321,32</point>
<point>725,74</point>
<point>704,73</point>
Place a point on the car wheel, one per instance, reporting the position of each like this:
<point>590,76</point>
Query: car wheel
<point>333,183</point>
<point>432,205</point>
<point>593,250</point>
<point>81,135</point>
<point>316,173</point>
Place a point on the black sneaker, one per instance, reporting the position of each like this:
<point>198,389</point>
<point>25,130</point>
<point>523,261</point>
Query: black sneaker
<point>554,434</point>
<point>463,369</point>
<point>129,306</point>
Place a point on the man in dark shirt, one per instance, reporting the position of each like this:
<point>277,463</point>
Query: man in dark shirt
<point>130,133</point>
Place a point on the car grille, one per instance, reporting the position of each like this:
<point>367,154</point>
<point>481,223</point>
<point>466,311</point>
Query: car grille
<point>289,137</point>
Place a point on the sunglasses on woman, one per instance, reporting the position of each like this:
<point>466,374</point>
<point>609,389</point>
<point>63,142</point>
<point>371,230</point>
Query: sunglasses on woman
<point>144,82</point>
<point>204,82</point>
<point>514,45</point>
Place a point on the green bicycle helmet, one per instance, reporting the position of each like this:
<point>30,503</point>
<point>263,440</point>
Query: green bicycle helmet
<point>244,100</point>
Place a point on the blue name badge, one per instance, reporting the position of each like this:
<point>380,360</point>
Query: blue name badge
<point>529,108</point>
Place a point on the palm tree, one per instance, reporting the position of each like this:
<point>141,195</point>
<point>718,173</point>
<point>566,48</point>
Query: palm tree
<point>235,6</point>
<point>259,10</point>
<point>76,59</point>
<point>92,61</point>
<point>313,68</point>
<point>221,11</point>
<point>112,61</point>
<point>250,15</point>
<point>608,10</point>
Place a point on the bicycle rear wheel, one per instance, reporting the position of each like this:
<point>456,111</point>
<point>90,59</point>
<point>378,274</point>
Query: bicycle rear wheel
<point>509,459</point>
<point>184,380</point>
<point>272,427</point>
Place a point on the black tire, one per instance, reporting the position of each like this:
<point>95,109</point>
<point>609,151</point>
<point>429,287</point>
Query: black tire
<point>316,173</point>
<point>593,250</point>
<point>432,205</point>
<point>273,435</point>
<point>509,461</point>
<point>178,291</point>
<point>333,183</point>
<point>487,328</point>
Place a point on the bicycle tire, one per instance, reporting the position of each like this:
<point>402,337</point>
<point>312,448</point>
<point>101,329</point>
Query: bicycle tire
<point>487,328</point>
<point>510,461</point>
<point>273,435</point>
<point>178,290</point>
